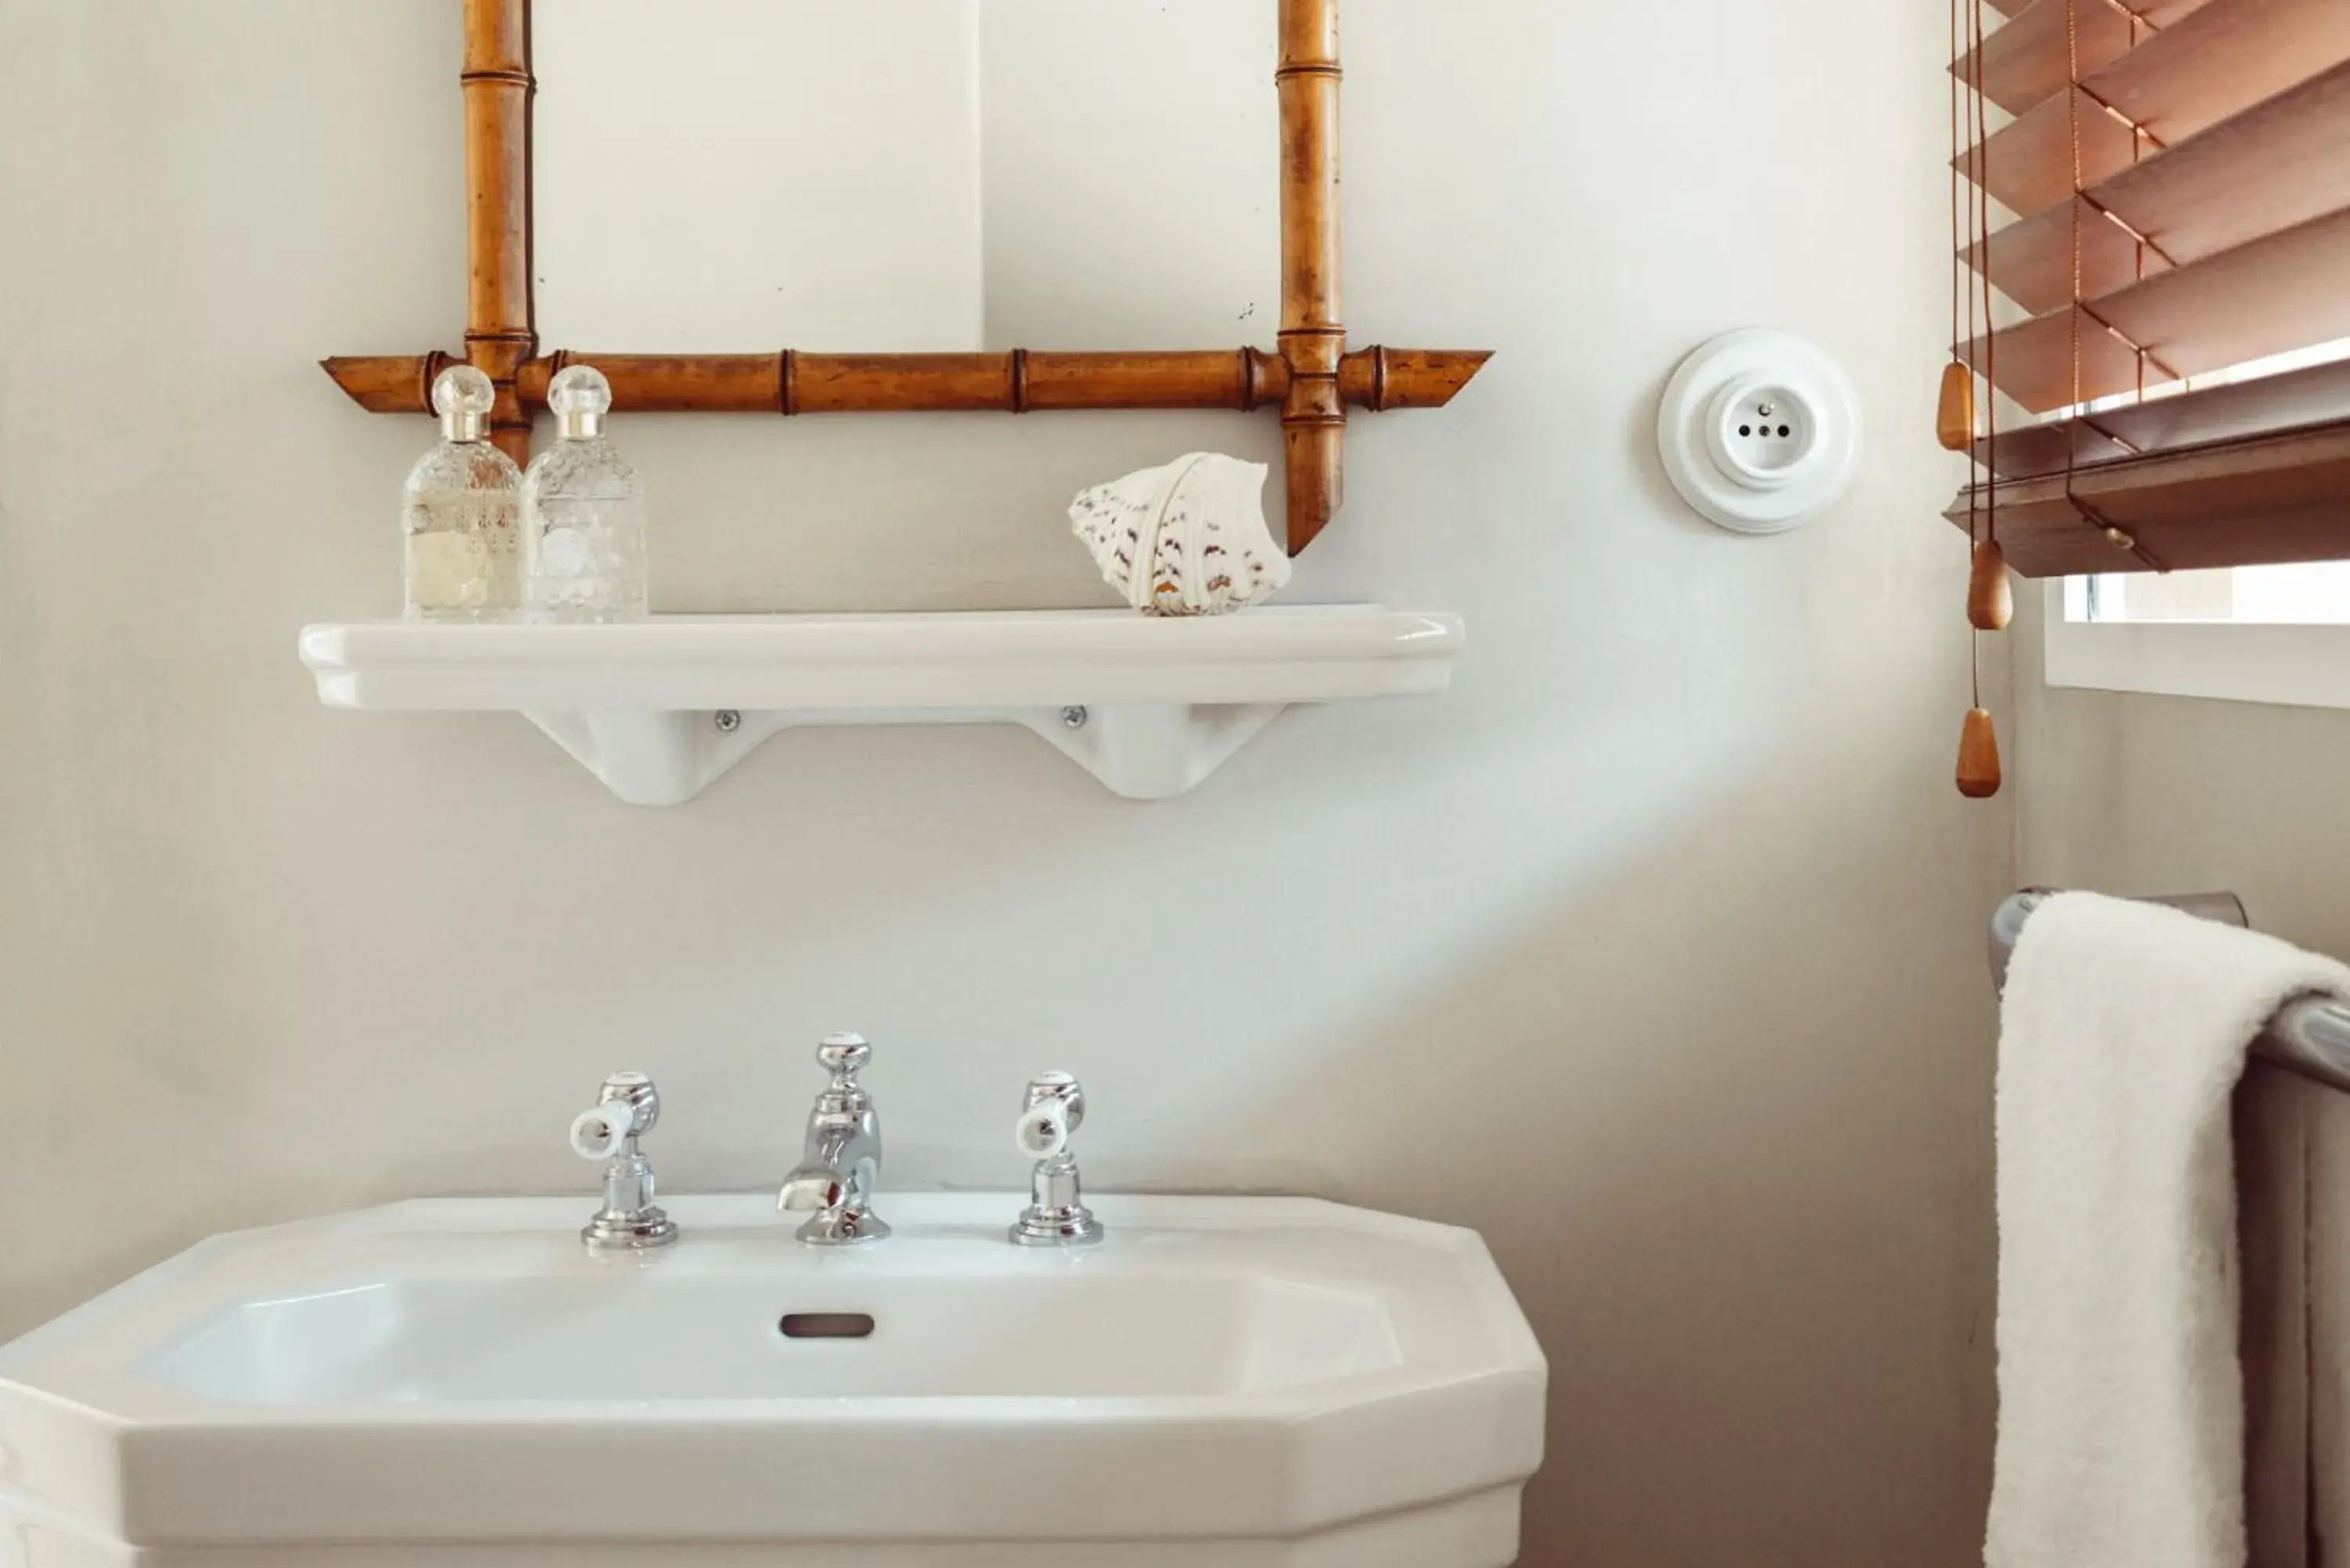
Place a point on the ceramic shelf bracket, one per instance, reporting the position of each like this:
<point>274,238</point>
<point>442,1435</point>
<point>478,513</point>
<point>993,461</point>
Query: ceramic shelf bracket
<point>659,710</point>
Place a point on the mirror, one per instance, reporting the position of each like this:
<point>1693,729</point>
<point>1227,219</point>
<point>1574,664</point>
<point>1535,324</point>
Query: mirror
<point>740,176</point>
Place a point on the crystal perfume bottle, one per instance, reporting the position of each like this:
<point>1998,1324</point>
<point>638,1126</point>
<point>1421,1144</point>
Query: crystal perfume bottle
<point>459,516</point>
<point>583,513</point>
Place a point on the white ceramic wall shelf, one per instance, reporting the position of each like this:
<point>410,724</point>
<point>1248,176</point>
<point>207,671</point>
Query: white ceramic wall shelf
<point>661,709</point>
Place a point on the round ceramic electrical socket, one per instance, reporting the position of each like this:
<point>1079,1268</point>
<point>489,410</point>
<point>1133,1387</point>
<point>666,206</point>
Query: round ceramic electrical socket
<point>1760,432</point>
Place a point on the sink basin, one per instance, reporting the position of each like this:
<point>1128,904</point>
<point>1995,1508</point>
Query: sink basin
<point>455,1341</point>
<point>1246,1383</point>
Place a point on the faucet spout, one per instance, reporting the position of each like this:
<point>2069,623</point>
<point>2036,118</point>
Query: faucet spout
<point>841,1165</point>
<point>812,1187</point>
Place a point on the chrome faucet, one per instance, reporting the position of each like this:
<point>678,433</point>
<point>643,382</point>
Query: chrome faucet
<point>1057,1215</point>
<point>630,1221</point>
<point>841,1164</point>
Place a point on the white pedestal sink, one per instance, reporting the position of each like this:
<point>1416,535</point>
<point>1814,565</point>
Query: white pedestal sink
<point>1240,1382</point>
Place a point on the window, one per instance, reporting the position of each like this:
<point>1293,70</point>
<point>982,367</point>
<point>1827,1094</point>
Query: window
<point>2256,633</point>
<point>2246,634</point>
<point>2315,594</point>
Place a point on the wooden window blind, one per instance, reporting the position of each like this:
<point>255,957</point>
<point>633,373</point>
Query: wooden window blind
<point>2178,177</point>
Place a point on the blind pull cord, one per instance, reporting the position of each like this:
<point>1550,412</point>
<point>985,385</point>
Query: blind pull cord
<point>2120,537</point>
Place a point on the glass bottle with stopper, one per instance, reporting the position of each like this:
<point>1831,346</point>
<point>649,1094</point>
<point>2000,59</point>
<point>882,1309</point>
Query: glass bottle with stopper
<point>583,513</point>
<point>459,516</point>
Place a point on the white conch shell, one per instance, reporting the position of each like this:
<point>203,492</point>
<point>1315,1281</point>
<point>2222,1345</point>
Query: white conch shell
<point>1190,538</point>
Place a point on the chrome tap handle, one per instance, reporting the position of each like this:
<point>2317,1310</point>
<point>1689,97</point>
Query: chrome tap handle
<point>843,1056</point>
<point>627,1108</point>
<point>1057,1215</point>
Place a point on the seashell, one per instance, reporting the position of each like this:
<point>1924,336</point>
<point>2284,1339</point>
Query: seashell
<point>1186,539</point>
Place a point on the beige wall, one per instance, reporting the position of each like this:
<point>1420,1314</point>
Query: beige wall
<point>1654,952</point>
<point>2137,795</point>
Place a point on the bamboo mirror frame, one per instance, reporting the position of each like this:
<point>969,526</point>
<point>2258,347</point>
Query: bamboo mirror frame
<point>1312,377</point>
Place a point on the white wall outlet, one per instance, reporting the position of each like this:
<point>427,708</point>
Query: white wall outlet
<point>1761,431</point>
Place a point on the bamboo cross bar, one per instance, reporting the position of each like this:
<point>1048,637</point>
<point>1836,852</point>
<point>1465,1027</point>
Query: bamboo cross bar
<point>1024,381</point>
<point>1313,379</point>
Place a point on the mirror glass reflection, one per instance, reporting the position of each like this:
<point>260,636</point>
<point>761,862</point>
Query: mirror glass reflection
<point>716,176</point>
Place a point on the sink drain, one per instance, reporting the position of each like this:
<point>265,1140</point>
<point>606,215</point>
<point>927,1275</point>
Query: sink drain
<point>826,1326</point>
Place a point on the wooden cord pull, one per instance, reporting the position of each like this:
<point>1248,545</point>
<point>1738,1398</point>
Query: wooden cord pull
<point>1990,601</point>
<point>1954,422</point>
<point>1990,597</point>
<point>1979,756</point>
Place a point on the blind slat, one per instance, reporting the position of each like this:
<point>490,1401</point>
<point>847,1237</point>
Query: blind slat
<point>2029,165</point>
<point>2286,291</point>
<point>2272,499</point>
<point>2032,260</point>
<point>2278,164</point>
<point>2029,60</point>
<point>2298,399</point>
<point>2222,60</point>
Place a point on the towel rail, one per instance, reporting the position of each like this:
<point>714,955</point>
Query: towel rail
<point>2311,1037</point>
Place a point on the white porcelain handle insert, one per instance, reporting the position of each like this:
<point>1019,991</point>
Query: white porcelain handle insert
<point>1044,1131</point>
<point>599,1133</point>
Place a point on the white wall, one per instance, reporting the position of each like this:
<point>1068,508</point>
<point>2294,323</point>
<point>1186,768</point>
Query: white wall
<point>1655,952</point>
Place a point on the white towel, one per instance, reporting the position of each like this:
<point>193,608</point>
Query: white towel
<point>2121,1419</point>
